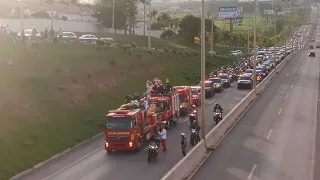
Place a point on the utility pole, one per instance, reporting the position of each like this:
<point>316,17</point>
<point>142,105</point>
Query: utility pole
<point>113,4</point>
<point>144,17</point>
<point>255,44</point>
<point>203,68</point>
<point>149,25</point>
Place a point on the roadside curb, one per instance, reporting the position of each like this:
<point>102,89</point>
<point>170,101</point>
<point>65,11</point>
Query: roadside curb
<point>37,166</point>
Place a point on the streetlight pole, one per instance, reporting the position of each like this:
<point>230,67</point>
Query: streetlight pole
<point>113,4</point>
<point>275,33</point>
<point>203,68</point>
<point>248,39</point>
<point>144,17</point>
<point>174,21</point>
<point>285,33</point>
<point>21,17</point>
<point>149,25</point>
<point>255,44</point>
<point>211,43</point>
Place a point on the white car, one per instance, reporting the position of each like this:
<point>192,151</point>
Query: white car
<point>88,38</point>
<point>69,35</point>
<point>28,33</point>
<point>107,39</point>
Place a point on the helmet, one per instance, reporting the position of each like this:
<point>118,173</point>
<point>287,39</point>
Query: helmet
<point>183,134</point>
<point>216,104</point>
<point>194,106</point>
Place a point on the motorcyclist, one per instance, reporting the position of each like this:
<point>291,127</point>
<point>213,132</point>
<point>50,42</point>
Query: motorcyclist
<point>193,113</point>
<point>184,144</point>
<point>218,107</point>
<point>195,125</point>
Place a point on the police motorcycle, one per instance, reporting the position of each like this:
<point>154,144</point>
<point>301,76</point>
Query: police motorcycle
<point>217,116</point>
<point>153,149</point>
<point>194,134</point>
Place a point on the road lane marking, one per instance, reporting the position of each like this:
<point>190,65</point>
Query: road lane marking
<point>291,86</point>
<point>228,89</point>
<point>295,78</point>
<point>279,112</point>
<point>286,96</point>
<point>252,171</point>
<point>75,162</point>
<point>186,119</point>
<point>298,72</point>
<point>212,101</point>
<point>269,134</point>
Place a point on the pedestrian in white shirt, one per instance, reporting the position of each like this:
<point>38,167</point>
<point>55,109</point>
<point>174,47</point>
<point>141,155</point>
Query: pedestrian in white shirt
<point>163,134</point>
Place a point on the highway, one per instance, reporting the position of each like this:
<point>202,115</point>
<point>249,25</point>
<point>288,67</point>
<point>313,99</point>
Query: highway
<point>92,162</point>
<point>275,139</point>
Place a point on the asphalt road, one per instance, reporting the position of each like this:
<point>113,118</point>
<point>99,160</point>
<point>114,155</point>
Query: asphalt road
<point>275,139</point>
<point>92,162</point>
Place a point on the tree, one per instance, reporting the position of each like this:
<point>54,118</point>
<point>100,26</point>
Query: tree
<point>104,16</point>
<point>164,18</point>
<point>154,14</point>
<point>189,27</point>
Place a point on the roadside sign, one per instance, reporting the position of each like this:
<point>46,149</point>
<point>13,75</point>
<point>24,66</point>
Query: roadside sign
<point>231,13</point>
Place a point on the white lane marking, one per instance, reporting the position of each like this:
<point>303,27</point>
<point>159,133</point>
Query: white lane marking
<point>75,162</point>
<point>252,171</point>
<point>286,96</point>
<point>298,72</point>
<point>279,112</point>
<point>212,101</point>
<point>227,89</point>
<point>291,86</point>
<point>295,78</point>
<point>269,134</point>
<point>186,119</point>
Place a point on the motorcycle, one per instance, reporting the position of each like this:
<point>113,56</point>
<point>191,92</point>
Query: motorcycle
<point>217,117</point>
<point>152,151</point>
<point>194,138</point>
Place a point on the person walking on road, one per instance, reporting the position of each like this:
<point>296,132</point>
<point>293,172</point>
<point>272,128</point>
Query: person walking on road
<point>163,134</point>
<point>183,144</point>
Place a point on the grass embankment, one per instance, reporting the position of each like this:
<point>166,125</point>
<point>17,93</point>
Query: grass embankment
<point>54,96</point>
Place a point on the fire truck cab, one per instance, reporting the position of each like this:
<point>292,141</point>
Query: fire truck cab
<point>167,108</point>
<point>129,126</point>
<point>185,98</point>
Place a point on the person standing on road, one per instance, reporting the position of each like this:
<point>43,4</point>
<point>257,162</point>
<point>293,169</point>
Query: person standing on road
<point>163,134</point>
<point>183,144</point>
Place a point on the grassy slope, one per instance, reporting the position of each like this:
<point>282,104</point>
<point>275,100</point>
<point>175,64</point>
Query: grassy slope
<point>56,95</point>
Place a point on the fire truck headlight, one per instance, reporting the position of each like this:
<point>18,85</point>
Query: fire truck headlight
<point>130,144</point>
<point>107,144</point>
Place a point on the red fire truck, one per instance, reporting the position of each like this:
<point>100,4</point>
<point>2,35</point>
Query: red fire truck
<point>185,98</point>
<point>167,107</point>
<point>129,126</point>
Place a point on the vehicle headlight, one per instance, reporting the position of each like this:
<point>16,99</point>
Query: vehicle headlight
<point>181,107</point>
<point>107,144</point>
<point>130,144</point>
<point>164,122</point>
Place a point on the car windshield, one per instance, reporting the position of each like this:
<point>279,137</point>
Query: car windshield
<point>223,77</point>
<point>118,123</point>
<point>216,80</point>
<point>244,78</point>
<point>249,71</point>
<point>259,69</point>
<point>195,92</point>
<point>161,107</point>
<point>67,34</point>
<point>182,98</point>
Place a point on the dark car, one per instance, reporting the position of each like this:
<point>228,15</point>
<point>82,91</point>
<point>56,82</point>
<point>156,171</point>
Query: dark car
<point>312,54</point>
<point>226,82</point>
<point>218,84</point>
<point>209,89</point>
<point>245,82</point>
<point>311,46</point>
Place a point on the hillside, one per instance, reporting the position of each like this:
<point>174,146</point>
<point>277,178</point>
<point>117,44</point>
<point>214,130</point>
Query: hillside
<point>54,96</point>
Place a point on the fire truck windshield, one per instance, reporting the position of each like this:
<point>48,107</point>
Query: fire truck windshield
<point>161,107</point>
<point>118,123</point>
<point>182,97</point>
<point>195,92</point>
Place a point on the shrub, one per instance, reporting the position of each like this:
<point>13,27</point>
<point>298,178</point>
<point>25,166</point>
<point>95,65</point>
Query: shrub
<point>167,34</point>
<point>100,43</point>
<point>156,26</point>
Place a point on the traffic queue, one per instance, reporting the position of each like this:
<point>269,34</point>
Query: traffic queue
<point>144,119</point>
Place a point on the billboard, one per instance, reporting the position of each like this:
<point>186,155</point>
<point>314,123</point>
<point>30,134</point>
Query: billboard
<point>234,21</point>
<point>269,12</point>
<point>230,13</point>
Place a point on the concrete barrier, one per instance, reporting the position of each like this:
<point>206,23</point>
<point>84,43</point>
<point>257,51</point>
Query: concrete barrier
<point>190,163</point>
